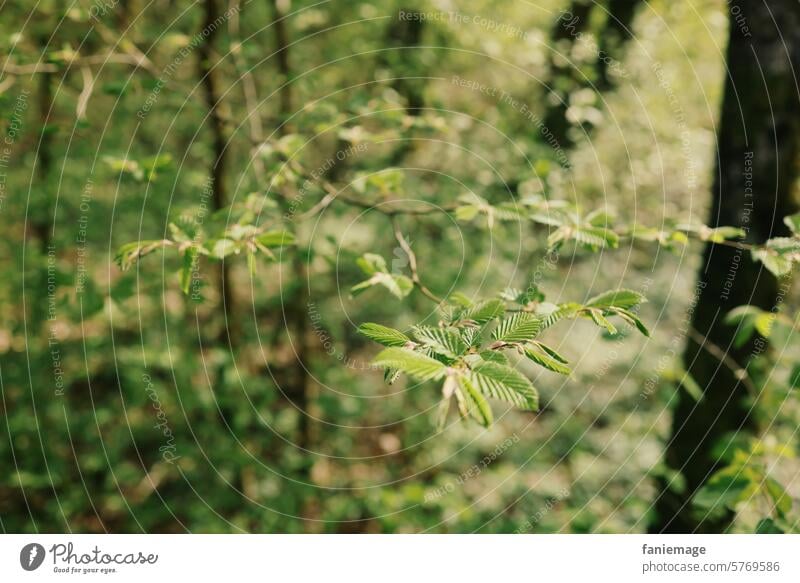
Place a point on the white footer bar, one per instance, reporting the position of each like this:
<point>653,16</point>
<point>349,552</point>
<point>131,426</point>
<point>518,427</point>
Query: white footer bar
<point>401,558</point>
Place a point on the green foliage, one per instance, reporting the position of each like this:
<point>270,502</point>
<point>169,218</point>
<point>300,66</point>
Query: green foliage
<point>472,361</point>
<point>747,480</point>
<point>375,267</point>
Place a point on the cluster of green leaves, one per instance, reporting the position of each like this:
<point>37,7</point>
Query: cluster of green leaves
<point>144,170</point>
<point>745,480</point>
<point>781,253</point>
<point>374,266</point>
<point>597,230</point>
<point>468,351</point>
<point>189,238</point>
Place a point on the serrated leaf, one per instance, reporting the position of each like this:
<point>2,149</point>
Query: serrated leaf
<point>598,318</point>
<point>622,298</point>
<point>383,334</point>
<point>551,352</point>
<point>519,327</point>
<point>633,319</point>
<point>484,311</point>
<point>478,406</point>
<point>793,222</point>
<point>546,361</point>
<point>505,383</point>
<point>390,375</point>
<point>776,264</point>
<point>130,253</point>
<point>459,299</point>
<point>494,356</point>
<point>222,248</point>
<point>370,264</point>
<point>187,269</point>
<point>273,239</point>
<point>398,285</point>
<point>414,364</point>
<point>551,313</point>
<point>446,342</point>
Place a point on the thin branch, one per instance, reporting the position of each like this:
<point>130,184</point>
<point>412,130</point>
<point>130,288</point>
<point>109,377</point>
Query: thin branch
<point>249,90</point>
<point>412,263</point>
<point>86,93</point>
<point>10,68</point>
<point>724,358</point>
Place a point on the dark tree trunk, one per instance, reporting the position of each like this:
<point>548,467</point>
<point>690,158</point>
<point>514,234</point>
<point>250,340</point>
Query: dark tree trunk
<point>295,380</point>
<point>757,150</point>
<point>616,33</point>
<point>564,78</point>
<point>230,332</point>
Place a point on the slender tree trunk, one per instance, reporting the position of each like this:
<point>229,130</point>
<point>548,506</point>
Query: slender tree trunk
<point>209,79</point>
<point>757,146</point>
<point>41,212</point>
<point>616,33</point>
<point>296,379</point>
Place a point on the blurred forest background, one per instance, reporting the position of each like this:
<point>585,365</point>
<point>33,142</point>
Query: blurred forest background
<point>232,392</point>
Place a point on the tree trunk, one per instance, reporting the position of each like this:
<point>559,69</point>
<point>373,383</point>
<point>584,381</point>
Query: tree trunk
<point>230,332</point>
<point>564,78</point>
<point>757,149</point>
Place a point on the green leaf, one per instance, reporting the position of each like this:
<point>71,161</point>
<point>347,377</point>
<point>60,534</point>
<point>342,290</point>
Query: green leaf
<point>189,265</point>
<point>596,237</point>
<point>602,321</point>
<point>744,318</point>
<point>130,253</point>
<point>623,298</point>
<point>371,263</point>
<point>222,248</point>
<point>398,285</point>
<point>519,327</point>
<point>764,322</point>
<point>546,361</point>
<point>782,500</point>
<point>446,342</point>
<point>467,212</point>
<point>632,319</point>
<point>794,377</point>
<point>721,234</point>
<point>478,406</point>
<point>551,352</point>
<point>459,299</point>
<point>551,313</point>
<point>383,334</point>
<point>768,526</point>
<point>273,239</point>
<point>484,311</point>
<point>722,492</point>
<point>777,265</point>
<point>793,222</point>
<point>505,383</point>
<point>494,356</point>
<point>414,364</point>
